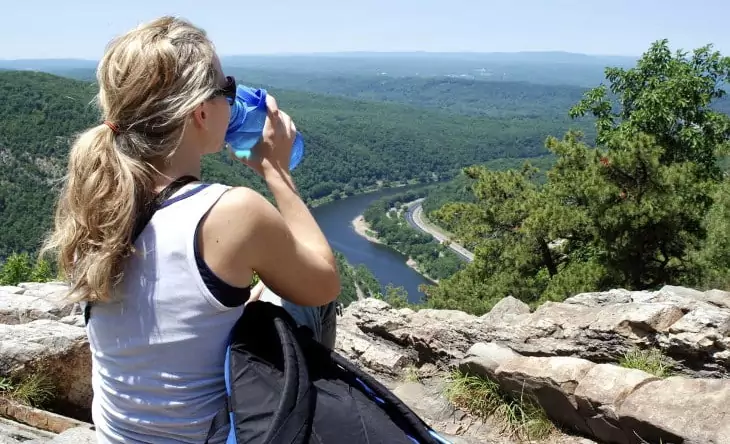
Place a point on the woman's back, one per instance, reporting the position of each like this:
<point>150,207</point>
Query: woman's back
<point>157,332</point>
<point>158,348</point>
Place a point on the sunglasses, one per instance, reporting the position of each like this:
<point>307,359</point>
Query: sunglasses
<point>228,91</point>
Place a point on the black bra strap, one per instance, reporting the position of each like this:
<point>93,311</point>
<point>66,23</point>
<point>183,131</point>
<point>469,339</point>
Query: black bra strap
<point>144,218</point>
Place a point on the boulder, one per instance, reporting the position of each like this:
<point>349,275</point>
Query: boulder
<point>690,327</point>
<point>601,390</point>
<point>26,303</point>
<point>677,409</point>
<point>549,381</point>
<point>610,403</point>
<point>76,435</point>
<point>436,336</point>
<point>55,350</point>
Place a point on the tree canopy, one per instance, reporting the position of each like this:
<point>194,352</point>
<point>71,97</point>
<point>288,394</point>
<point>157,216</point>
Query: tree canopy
<point>640,209</point>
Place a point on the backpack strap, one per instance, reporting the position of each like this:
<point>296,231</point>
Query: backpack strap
<point>293,421</point>
<point>144,218</point>
<point>422,433</point>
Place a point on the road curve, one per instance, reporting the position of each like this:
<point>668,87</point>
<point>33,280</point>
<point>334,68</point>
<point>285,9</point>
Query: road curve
<point>414,217</point>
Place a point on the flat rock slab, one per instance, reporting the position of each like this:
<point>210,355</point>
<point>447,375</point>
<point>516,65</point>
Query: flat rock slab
<point>15,433</point>
<point>21,308</point>
<point>78,435</point>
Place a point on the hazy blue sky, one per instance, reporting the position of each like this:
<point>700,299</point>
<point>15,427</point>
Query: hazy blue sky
<point>81,28</point>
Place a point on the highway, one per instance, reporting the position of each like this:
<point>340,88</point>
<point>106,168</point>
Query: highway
<point>414,217</point>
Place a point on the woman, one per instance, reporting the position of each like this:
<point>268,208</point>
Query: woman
<point>164,303</point>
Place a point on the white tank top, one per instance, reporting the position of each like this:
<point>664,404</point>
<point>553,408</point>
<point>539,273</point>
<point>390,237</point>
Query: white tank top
<point>158,350</point>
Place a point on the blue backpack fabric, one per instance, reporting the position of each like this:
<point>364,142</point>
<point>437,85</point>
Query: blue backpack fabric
<point>285,387</point>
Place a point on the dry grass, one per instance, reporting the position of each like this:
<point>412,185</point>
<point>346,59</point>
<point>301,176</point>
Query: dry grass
<point>410,374</point>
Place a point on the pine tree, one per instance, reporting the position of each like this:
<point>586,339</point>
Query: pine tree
<point>632,212</point>
<point>16,269</point>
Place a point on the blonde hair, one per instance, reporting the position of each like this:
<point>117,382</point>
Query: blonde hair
<point>150,80</point>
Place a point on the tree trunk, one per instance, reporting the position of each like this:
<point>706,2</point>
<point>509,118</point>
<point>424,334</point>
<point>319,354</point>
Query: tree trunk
<point>547,257</point>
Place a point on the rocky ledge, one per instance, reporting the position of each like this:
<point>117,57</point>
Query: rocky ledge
<point>563,357</point>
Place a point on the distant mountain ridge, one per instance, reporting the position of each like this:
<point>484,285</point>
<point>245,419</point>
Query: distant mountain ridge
<point>552,67</point>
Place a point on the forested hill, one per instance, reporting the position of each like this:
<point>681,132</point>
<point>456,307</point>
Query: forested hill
<point>457,95</point>
<point>350,144</point>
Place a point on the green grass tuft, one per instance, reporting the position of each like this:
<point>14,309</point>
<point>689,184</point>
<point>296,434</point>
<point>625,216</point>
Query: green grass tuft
<point>36,390</point>
<point>483,398</point>
<point>651,361</point>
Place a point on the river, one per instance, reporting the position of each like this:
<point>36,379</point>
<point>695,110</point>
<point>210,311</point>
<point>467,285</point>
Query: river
<point>335,219</point>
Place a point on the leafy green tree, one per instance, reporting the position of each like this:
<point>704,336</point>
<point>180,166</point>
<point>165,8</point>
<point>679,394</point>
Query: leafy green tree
<point>366,280</point>
<point>667,96</point>
<point>397,297</point>
<point>42,271</point>
<point>16,269</point>
<point>658,163</point>
<point>627,210</point>
<point>494,224</point>
<point>713,257</point>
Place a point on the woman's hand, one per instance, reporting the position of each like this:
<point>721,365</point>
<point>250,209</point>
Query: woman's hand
<point>272,153</point>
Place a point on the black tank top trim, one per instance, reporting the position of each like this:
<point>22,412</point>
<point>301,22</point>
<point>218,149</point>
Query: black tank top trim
<point>226,294</point>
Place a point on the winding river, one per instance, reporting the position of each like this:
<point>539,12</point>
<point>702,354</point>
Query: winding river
<point>387,265</point>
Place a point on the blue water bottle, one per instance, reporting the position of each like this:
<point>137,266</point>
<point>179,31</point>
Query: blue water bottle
<point>248,116</point>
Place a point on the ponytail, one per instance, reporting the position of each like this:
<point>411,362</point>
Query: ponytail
<point>150,81</point>
<point>96,211</point>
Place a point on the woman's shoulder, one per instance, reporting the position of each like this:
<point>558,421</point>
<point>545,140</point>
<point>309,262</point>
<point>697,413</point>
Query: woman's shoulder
<point>242,204</point>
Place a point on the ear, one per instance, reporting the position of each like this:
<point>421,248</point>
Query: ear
<point>200,116</point>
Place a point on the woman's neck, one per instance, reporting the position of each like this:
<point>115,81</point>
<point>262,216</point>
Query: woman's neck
<point>177,166</point>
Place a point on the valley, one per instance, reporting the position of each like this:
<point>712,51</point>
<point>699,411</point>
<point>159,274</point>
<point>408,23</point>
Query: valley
<point>352,145</point>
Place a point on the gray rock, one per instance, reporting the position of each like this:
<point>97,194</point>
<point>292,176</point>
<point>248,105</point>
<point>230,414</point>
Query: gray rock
<point>75,320</point>
<point>599,394</point>
<point>16,308</point>
<point>459,427</point>
<point>599,326</point>
<point>76,435</point>
<point>484,359</point>
<point>615,404</point>
<point>431,336</point>
<point>506,310</point>
<point>556,355</point>
<point>717,298</point>
<point>11,289</point>
<point>551,382</point>
<point>15,433</point>
<point>600,299</point>
<point>382,358</point>
<point>426,403</point>
<point>690,411</point>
